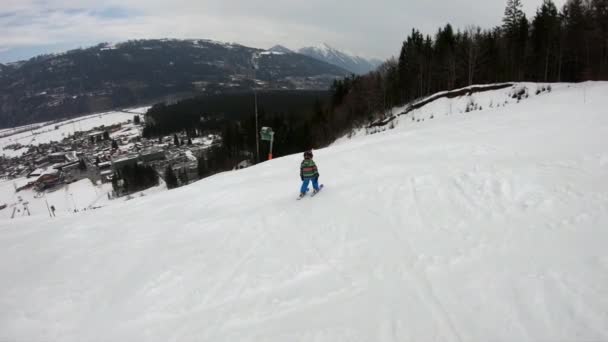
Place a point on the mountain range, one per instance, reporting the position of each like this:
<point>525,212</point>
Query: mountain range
<point>355,64</point>
<point>139,72</point>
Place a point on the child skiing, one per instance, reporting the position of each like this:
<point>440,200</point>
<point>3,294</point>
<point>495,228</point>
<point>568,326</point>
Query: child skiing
<point>309,172</point>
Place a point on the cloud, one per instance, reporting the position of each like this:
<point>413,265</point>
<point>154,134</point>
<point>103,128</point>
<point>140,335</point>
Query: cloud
<point>370,28</point>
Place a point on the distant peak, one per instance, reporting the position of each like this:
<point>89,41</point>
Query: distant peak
<point>324,45</point>
<point>280,48</point>
<point>344,59</point>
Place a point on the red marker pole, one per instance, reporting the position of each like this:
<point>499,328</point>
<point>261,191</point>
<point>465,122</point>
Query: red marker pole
<point>270,153</point>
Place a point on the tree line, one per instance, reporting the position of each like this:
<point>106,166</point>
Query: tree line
<point>134,178</point>
<point>556,45</point>
<point>232,116</point>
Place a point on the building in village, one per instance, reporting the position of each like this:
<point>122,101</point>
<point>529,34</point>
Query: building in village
<point>96,136</point>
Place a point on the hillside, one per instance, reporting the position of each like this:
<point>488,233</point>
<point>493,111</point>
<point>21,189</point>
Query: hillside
<point>141,72</point>
<point>486,225</point>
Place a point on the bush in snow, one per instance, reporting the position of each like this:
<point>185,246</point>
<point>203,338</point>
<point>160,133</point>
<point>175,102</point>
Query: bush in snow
<point>542,89</point>
<point>471,105</point>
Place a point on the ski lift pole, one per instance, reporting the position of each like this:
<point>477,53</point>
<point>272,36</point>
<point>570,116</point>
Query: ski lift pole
<point>47,206</point>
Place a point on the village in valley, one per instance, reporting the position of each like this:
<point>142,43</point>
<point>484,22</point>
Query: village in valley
<point>85,163</point>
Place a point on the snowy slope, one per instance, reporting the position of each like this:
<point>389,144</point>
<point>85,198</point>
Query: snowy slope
<point>439,107</point>
<point>75,196</point>
<point>485,226</point>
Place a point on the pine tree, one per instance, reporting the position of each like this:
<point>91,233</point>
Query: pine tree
<point>114,144</point>
<point>599,10</point>
<point>445,44</point>
<point>576,42</point>
<point>136,120</point>
<point>515,29</point>
<point>175,140</point>
<point>82,165</point>
<point>170,178</point>
<point>183,177</point>
<point>471,42</point>
<point>201,167</point>
<point>513,16</point>
<point>545,41</point>
<point>115,178</point>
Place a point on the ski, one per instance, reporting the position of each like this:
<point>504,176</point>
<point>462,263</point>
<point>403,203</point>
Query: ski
<point>312,194</point>
<point>316,192</point>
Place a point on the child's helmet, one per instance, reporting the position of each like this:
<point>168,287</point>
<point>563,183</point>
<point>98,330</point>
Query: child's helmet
<point>308,154</point>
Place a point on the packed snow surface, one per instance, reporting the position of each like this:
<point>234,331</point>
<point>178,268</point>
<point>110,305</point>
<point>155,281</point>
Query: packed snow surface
<point>482,226</point>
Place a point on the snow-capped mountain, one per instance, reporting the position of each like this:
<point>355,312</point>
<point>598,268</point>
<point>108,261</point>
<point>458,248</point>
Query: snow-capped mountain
<point>328,54</point>
<point>280,49</point>
<point>476,218</point>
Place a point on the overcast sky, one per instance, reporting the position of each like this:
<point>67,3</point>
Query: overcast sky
<point>364,27</point>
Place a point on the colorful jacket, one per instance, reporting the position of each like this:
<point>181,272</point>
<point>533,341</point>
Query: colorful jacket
<point>308,169</point>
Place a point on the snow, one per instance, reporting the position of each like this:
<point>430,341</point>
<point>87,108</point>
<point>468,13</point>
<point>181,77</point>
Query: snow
<point>271,53</point>
<point>190,155</point>
<point>78,195</point>
<point>483,102</point>
<point>65,128</point>
<point>139,110</point>
<point>108,46</point>
<point>9,153</point>
<point>484,226</point>
<point>343,59</point>
<point>127,131</point>
<point>324,49</point>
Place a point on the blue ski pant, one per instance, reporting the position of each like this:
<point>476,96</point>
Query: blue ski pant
<point>306,181</point>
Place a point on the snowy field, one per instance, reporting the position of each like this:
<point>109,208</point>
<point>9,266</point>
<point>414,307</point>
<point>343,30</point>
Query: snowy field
<point>68,200</point>
<point>75,196</point>
<point>66,128</point>
<point>484,226</point>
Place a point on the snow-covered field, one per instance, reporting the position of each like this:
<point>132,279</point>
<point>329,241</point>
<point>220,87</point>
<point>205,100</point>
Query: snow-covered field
<point>64,129</point>
<point>484,226</point>
<point>76,196</point>
<point>68,200</point>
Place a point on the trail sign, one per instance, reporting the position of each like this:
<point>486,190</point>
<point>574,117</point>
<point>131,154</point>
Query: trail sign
<point>267,134</point>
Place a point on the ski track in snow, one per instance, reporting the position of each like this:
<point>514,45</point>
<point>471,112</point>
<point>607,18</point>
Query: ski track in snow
<point>486,226</point>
